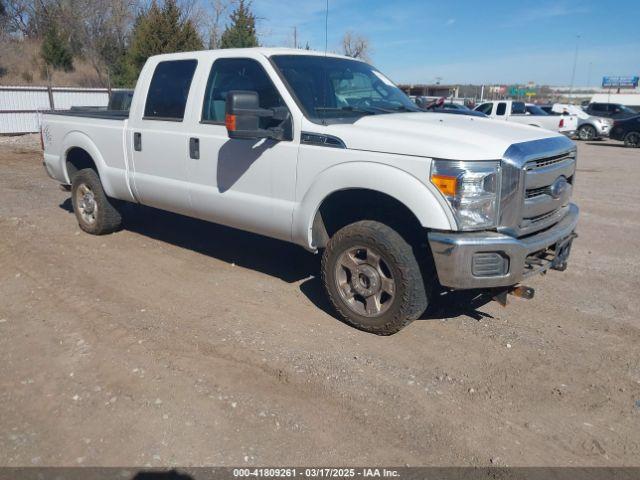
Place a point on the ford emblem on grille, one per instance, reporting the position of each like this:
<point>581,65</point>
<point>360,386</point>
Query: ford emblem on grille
<point>558,187</point>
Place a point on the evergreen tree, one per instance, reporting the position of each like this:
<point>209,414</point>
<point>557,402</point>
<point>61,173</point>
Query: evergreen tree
<point>242,31</point>
<point>55,52</point>
<point>160,29</point>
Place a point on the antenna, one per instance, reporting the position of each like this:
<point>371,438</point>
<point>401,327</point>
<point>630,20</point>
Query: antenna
<point>326,29</point>
<point>324,68</point>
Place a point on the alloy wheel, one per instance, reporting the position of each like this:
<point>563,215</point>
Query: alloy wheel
<point>365,281</point>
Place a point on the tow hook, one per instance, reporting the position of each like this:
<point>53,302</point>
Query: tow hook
<point>521,291</point>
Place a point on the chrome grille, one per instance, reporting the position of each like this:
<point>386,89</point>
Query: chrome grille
<point>532,196</point>
<point>545,162</point>
<point>542,207</point>
<point>535,192</point>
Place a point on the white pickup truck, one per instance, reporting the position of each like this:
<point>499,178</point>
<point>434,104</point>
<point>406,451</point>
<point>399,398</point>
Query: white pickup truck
<point>326,152</point>
<point>528,114</point>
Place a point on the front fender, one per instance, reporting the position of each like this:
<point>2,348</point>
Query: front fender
<point>421,199</point>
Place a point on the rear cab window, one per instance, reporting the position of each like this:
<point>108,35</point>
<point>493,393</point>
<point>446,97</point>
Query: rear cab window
<point>501,109</point>
<point>169,90</point>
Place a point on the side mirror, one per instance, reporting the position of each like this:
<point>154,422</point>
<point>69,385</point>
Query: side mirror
<point>243,114</point>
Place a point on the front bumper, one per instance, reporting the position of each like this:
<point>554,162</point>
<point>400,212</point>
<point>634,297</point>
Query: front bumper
<point>454,253</point>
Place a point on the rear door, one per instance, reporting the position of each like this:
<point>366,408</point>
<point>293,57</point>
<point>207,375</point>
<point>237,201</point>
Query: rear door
<point>501,111</point>
<point>159,138</point>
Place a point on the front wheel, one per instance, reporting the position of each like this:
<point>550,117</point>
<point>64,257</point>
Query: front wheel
<point>587,132</point>
<point>94,211</point>
<point>372,278</point>
<point>632,140</point>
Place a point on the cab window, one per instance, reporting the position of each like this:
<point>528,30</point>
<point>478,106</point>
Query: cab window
<point>485,108</point>
<point>518,108</point>
<point>229,74</point>
<point>169,89</point>
<point>502,108</point>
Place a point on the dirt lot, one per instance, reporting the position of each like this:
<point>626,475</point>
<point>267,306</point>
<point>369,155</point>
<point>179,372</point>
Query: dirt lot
<point>176,342</point>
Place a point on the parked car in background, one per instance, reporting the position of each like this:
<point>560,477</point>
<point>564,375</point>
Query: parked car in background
<point>548,109</point>
<point>589,126</point>
<point>120,100</point>
<point>628,131</point>
<point>616,111</point>
<point>629,100</point>
<point>324,151</point>
<point>516,111</point>
<point>441,106</point>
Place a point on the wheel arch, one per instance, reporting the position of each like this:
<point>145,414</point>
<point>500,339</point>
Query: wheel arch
<point>79,151</point>
<point>346,181</point>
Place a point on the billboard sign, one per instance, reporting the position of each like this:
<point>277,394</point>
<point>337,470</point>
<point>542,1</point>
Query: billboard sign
<point>620,82</point>
<point>521,92</point>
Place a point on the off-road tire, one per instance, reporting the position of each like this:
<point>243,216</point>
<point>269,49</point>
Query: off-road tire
<point>587,133</point>
<point>632,140</point>
<point>107,217</point>
<point>410,299</point>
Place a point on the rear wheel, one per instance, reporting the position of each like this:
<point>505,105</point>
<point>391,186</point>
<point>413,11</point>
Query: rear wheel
<point>372,278</point>
<point>632,139</point>
<point>587,132</point>
<point>94,212</point>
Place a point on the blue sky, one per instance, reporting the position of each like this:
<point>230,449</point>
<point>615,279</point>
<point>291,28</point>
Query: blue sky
<point>465,41</point>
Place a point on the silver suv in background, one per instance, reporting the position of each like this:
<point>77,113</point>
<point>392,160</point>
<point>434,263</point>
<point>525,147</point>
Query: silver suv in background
<point>590,127</point>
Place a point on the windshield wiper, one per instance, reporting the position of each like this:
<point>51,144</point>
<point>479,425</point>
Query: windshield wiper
<point>368,111</point>
<point>402,108</point>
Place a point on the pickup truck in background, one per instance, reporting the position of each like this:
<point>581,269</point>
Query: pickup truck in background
<point>325,152</point>
<point>515,111</point>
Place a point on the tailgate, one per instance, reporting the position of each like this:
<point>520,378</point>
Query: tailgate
<point>568,123</point>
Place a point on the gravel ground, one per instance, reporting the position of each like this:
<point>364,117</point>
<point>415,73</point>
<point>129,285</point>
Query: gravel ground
<point>30,141</point>
<point>176,342</point>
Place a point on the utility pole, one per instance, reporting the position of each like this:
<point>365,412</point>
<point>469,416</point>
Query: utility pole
<point>295,37</point>
<point>575,63</point>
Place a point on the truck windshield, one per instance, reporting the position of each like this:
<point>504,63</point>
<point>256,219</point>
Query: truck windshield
<point>334,89</point>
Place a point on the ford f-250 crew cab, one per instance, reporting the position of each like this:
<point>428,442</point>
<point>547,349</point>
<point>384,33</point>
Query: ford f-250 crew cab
<point>326,152</point>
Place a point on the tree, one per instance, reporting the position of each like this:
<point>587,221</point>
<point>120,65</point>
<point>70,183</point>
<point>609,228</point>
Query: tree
<point>356,46</point>
<point>241,33</point>
<point>4,19</point>
<point>160,29</point>
<point>218,8</point>
<point>55,51</point>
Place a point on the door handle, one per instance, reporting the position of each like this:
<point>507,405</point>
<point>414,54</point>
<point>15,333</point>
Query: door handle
<point>137,141</point>
<point>194,148</point>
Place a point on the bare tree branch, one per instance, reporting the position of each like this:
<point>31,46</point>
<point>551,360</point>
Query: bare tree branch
<point>356,46</point>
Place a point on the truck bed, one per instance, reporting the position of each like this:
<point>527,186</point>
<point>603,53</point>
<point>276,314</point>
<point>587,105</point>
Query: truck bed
<point>92,113</point>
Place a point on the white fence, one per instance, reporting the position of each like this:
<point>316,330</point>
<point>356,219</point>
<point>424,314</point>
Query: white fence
<point>19,106</point>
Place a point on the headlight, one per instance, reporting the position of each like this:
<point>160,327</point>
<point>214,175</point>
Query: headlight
<point>472,190</point>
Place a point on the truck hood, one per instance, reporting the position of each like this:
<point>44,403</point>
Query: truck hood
<point>436,135</point>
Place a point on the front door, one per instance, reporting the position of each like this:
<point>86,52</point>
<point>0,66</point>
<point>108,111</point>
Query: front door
<point>247,184</point>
